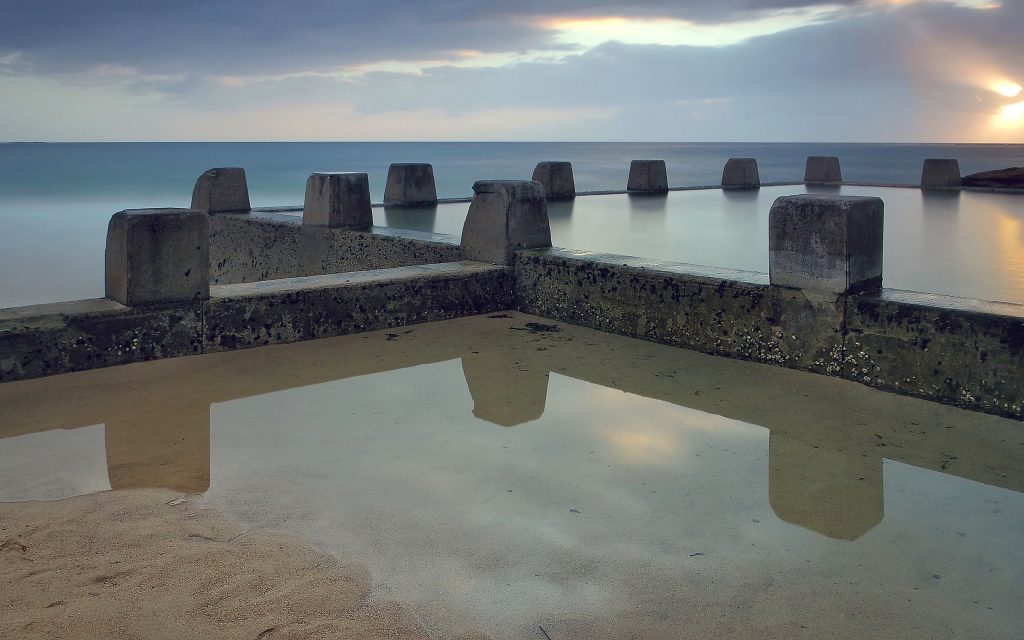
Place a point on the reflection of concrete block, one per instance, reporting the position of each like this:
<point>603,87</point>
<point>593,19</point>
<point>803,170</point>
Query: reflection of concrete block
<point>834,493</point>
<point>823,169</point>
<point>410,184</point>
<point>503,392</point>
<point>221,191</point>
<point>940,174</point>
<point>165,445</point>
<point>158,255</point>
<point>647,176</point>
<point>338,200</point>
<point>505,216</point>
<point>826,243</point>
<point>557,180</point>
<point>741,173</point>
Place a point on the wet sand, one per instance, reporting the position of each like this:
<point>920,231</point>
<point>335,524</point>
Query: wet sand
<point>508,474</point>
<point>146,564</point>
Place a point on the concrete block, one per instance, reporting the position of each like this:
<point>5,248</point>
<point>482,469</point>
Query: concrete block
<point>505,216</point>
<point>940,174</point>
<point>741,173</point>
<point>410,184</point>
<point>158,255</point>
<point>557,180</point>
<point>221,190</point>
<point>338,200</point>
<point>647,176</point>
<point>823,169</point>
<point>826,243</point>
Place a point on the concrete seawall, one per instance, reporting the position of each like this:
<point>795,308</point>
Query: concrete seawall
<point>274,279</point>
<point>75,336</point>
<point>963,352</point>
<point>269,246</point>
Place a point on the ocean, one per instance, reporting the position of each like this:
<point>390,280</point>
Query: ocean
<point>56,198</point>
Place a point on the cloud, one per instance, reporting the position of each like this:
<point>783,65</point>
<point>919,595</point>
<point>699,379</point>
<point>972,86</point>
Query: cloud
<point>860,70</point>
<point>232,37</point>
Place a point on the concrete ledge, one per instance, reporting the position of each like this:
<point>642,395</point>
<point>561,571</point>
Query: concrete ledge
<point>265,246</point>
<point>90,334</point>
<point>47,339</point>
<point>961,352</point>
<point>964,352</point>
<point>280,311</point>
<point>728,313</point>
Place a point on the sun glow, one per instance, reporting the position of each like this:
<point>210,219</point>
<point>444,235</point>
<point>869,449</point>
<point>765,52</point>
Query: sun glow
<point>1007,88</point>
<point>1011,115</point>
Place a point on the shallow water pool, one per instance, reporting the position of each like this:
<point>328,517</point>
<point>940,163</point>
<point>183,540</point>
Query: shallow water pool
<point>508,473</point>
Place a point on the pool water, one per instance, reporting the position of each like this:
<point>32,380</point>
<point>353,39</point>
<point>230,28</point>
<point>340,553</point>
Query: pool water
<point>508,473</point>
<point>964,244</point>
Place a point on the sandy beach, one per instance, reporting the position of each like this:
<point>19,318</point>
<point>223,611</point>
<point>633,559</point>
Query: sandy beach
<point>147,564</point>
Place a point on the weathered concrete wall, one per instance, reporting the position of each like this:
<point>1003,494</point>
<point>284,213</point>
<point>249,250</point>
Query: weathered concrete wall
<point>279,311</point>
<point>721,311</point>
<point>89,334</point>
<point>56,338</point>
<point>264,246</point>
<point>916,344</point>
<point>965,352</point>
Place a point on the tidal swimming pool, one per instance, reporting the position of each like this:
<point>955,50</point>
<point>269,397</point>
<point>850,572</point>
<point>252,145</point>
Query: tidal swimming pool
<point>507,473</point>
<point>964,244</point>
<point>955,243</point>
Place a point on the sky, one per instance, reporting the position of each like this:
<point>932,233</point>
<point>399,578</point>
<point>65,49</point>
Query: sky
<point>561,70</point>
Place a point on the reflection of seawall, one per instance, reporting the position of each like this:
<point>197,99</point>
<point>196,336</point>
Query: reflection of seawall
<point>825,455</point>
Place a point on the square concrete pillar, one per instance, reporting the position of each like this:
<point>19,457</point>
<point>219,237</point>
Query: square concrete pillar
<point>221,190</point>
<point>940,174</point>
<point>826,243</point>
<point>338,201</point>
<point>410,184</point>
<point>158,255</point>
<point>822,169</point>
<point>557,180</point>
<point>647,176</point>
<point>504,217</point>
<point>741,173</point>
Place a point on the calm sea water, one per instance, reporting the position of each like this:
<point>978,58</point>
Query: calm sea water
<point>55,200</point>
